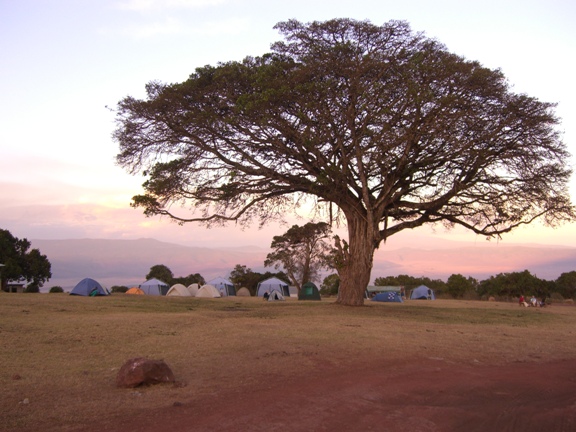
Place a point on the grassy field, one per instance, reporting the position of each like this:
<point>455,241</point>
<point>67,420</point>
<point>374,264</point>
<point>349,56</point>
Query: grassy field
<point>60,354</point>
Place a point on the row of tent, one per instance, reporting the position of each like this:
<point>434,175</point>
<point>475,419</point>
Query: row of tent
<point>420,293</point>
<point>218,287</point>
<point>215,288</point>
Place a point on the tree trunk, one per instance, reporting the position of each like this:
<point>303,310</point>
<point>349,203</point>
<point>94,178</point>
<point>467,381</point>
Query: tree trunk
<point>357,264</point>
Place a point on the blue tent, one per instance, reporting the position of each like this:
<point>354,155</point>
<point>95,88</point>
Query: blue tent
<point>422,293</point>
<point>390,296</point>
<point>154,287</point>
<point>89,287</point>
<point>224,286</point>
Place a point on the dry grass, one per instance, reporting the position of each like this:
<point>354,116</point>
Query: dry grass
<point>61,353</point>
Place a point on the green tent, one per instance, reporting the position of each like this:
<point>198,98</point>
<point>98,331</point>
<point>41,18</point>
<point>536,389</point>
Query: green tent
<point>309,291</point>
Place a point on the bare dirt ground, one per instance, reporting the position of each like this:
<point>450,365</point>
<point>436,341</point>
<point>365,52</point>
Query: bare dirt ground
<point>423,395</point>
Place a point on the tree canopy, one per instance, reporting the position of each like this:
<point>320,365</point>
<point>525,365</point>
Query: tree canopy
<point>378,126</point>
<point>22,263</point>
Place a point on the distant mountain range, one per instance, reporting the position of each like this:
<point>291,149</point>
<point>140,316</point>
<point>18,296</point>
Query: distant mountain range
<point>126,262</point>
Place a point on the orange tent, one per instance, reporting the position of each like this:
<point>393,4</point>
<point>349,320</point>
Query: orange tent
<point>135,290</point>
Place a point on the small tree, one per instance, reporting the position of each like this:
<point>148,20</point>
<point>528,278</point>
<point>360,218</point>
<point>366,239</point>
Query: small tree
<point>566,285</point>
<point>20,263</point>
<point>119,289</point>
<point>56,289</point>
<point>242,276</point>
<point>458,285</point>
<point>302,252</point>
<point>330,285</point>
<point>160,272</point>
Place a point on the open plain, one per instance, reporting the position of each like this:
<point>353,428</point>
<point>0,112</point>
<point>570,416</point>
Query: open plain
<point>242,364</point>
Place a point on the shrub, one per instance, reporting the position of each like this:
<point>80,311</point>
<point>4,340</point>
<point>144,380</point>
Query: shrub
<point>119,289</point>
<point>555,297</point>
<point>56,289</point>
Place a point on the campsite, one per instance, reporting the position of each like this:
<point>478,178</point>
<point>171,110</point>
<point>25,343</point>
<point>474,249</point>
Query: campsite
<point>416,365</point>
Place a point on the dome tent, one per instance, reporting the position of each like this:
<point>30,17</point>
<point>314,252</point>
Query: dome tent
<point>275,296</point>
<point>155,287</point>
<point>243,292</point>
<point>178,290</point>
<point>90,288</point>
<point>208,291</point>
<point>135,290</point>
<point>388,297</point>
<point>273,284</point>
<point>193,289</point>
<point>422,293</point>
<point>309,291</point>
<point>224,286</point>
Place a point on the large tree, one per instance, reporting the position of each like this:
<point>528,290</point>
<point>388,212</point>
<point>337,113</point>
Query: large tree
<point>378,126</point>
<point>22,263</point>
<point>302,252</point>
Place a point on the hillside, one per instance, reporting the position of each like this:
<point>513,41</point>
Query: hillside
<point>126,262</point>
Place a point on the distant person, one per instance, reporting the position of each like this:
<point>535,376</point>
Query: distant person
<point>429,294</point>
<point>533,301</point>
<point>266,295</point>
<point>521,300</point>
<point>543,301</point>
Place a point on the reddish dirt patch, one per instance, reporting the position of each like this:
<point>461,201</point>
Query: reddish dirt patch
<point>425,395</point>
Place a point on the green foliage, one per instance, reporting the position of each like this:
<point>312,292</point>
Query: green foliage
<point>160,272</point>
<point>330,285</point>
<point>56,289</point>
<point>512,285</point>
<point>32,288</point>
<point>20,263</point>
<point>195,278</point>
<point>163,273</point>
<point>566,285</point>
<point>119,289</point>
<point>458,286</point>
<point>242,276</point>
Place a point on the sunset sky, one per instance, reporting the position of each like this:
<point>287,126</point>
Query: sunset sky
<point>63,62</point>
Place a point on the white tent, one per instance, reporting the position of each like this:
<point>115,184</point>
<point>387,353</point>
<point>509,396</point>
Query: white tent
<point>208,291</point>
<point>273,284</point>
<point>193,289</point>
<point>154,287</point>
<point>178,290</point>
<point>243,292</point>
<point>224,286</point>
<point>275,296</point>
